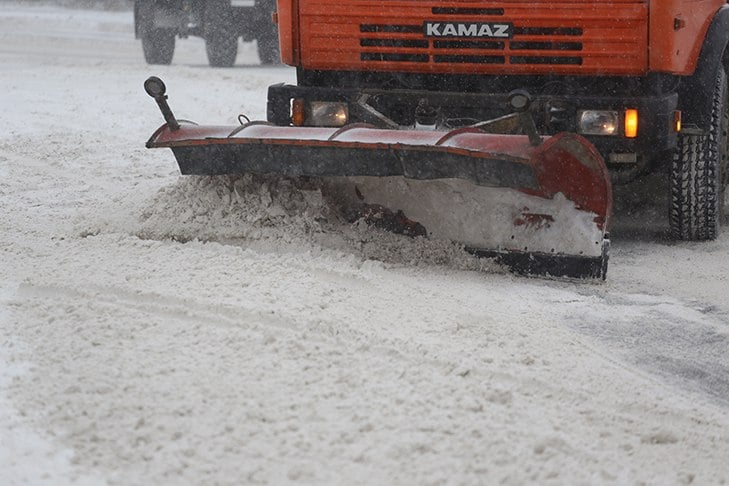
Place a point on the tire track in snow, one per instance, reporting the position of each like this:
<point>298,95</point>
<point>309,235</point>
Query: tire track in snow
<point>426,380</point>
<point>682,344</point>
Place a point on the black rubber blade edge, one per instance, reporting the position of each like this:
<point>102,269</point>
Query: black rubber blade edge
<point>550,264</point>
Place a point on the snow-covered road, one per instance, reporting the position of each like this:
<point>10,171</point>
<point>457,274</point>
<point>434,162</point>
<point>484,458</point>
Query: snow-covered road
<point>156,329</point>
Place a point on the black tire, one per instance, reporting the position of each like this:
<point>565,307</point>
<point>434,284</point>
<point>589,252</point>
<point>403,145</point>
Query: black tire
<point>696,174</point>
<point>158,45</point>
<point>221,39</point>
<point>268,50</point>
<point>222,50</point>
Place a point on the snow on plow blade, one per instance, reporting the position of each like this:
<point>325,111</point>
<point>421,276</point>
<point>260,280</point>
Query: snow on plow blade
<point>537,209</point>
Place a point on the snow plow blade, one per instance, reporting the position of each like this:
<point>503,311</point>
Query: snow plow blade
<point>539,208</point>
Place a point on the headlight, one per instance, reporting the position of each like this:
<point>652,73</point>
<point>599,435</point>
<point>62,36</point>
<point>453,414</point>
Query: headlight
<point>326,114</point>
<point>599,122</point>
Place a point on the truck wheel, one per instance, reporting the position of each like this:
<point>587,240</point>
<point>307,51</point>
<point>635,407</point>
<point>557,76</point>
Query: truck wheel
<point>221,50</point>
<point>158,45</point>
<point>221,39</point>
<point>268,51</point>
<point>696,174</point>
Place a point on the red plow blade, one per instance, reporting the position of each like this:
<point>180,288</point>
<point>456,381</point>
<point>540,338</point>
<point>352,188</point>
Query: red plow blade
<point>541,209</point>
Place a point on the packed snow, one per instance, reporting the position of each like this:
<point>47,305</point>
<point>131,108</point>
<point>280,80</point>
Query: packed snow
<point>160,329</point>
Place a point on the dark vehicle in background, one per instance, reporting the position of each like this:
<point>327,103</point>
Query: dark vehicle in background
<point>220,22</point>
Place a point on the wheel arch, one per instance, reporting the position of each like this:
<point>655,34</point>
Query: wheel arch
<point>695,92</point>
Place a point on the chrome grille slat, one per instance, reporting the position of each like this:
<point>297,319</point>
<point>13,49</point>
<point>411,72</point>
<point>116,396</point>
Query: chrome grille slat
<point>466,59</point>
<point>468,44</point>
<point>368,42</point>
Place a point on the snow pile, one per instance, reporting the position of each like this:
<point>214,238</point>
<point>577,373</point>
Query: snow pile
<point>266,212</point>
<point>376,244</point>
<point>236,207</point>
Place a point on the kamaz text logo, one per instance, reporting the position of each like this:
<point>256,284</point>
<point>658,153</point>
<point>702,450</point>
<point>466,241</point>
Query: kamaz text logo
<point>467,29</point>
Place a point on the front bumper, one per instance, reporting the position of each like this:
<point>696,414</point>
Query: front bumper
<point>552,113</point>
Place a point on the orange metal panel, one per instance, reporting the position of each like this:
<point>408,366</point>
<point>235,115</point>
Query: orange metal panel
<point>569,37</point>
<point>288,30</point>
<point>677,30</point>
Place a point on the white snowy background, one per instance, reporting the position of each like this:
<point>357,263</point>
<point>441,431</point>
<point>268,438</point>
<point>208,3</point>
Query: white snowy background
<point>159,329</point>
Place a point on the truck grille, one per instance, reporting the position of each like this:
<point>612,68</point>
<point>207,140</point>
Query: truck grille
<point>442,49</point>
<point>583,37</point>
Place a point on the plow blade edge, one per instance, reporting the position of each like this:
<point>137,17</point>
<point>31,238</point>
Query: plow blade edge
<point>541,209</point>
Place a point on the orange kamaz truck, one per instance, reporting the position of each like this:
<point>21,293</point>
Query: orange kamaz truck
<point>440,111</point>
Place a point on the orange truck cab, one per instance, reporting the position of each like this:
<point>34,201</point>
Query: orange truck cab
<point>643,80</point>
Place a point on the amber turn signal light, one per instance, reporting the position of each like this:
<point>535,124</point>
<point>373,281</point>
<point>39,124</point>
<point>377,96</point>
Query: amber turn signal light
<point>297,112</point>
<point>677,121</point>
<point>631,123</point>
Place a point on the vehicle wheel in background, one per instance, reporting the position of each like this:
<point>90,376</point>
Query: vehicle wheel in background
<point>221,50</point>
<point>696,179</point>
<point>221,39</point>
<point>268,50</point>
<point>158,45</point>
